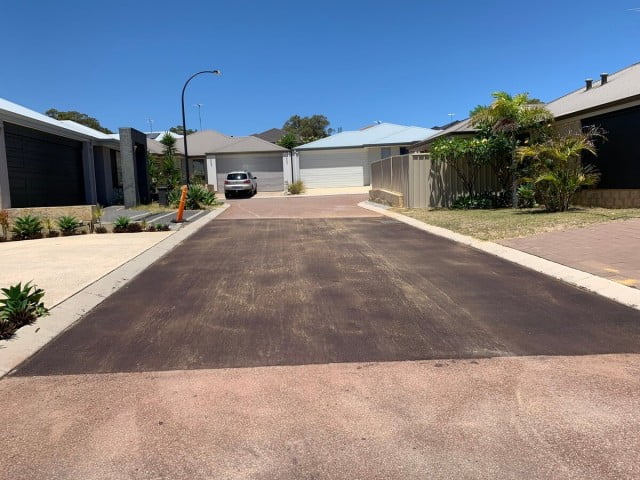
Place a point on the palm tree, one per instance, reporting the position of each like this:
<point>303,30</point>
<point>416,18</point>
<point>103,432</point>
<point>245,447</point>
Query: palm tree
<point>513,118</point>
<point>557,169</point>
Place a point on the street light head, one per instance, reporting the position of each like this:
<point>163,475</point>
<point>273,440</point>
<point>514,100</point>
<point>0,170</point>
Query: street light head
<point>216,72</point>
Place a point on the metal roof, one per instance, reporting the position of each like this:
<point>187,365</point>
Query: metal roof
<point>463,127</point>
<point>381,134</point>
<point>619,86</point>
<point>36,120</point>
<point>210,141</point>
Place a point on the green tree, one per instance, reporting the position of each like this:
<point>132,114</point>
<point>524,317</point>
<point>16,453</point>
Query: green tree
<point>168,173</point>
<point>307,129</point>
<point>517,119</point>
<point>466,156</point>
<point>77,117</point>
<point>556,169</point>
<point>289,141</point>
<point>180,131</point>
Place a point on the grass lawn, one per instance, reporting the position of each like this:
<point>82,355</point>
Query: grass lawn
<point>511,223</point>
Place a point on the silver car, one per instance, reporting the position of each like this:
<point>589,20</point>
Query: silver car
<point>240,181</point>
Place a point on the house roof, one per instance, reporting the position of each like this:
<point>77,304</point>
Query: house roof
<point>249,144</point>
<point>380,134</point>
<point>272,135</point>
<point>620,85</point>
<point>210,141</point>
<point>462,127</point>
<point>36,120</point>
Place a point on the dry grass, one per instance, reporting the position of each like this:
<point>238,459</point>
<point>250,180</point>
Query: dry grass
<point>512,223</point>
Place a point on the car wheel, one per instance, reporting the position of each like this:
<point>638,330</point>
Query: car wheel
<point>227,195</point>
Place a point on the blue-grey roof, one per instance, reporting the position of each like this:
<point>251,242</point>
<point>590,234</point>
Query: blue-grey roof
<point>38,120</point>
<point>381,134</point>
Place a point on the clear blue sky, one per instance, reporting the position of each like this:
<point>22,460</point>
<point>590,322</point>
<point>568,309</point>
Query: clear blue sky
<point>408,62</point>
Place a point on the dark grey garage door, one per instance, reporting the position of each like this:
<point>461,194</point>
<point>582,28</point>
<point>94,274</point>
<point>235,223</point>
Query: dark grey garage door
<point>266,166</point>
<point>44,170</point>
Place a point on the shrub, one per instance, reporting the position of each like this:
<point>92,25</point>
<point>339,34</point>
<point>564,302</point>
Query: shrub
<point>526,196</point>
<point>134,227</point>
<point>121,224</point>
<point>53,234</point>
<point>296,188</point>
<point>101,229</point>
<point>68,225</point>
<point>27,227</point>
<point>151,228</point>
<point>199,196</point>
<point>482,201</point>
<point>556,168</point>
<point>162,227</point>
<point>20,306</point>
<point>4,223</point>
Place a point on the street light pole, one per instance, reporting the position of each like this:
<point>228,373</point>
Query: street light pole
<point>184,121</point>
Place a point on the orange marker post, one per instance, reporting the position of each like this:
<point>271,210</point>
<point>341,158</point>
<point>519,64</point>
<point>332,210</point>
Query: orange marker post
<point>183,199</point>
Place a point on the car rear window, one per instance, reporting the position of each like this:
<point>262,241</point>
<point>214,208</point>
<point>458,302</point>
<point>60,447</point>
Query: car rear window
<point>237,176</point>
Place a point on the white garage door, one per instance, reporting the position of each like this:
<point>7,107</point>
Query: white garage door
<point>266,166</point>
<point>332,168</point>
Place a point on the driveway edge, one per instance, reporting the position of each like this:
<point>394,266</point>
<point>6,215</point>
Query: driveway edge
<point>601,286</point>
<point>31,338</point>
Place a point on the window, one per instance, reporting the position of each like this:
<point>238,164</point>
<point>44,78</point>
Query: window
<point>385,152</point>
<point>237,176</point>
<point>404,150</point>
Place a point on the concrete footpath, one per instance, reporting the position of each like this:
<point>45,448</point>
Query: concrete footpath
<point>588,281</point>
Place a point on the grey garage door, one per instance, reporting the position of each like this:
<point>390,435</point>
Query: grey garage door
<point>266,166</point>
<point>44,170</point>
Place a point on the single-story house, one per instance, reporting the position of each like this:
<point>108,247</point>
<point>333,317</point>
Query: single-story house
<point>613,104</point>
<point>46,162</point>
<point>213,154</point>
<point>344,159</point>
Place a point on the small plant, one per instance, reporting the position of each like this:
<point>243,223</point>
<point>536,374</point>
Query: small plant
<point>151,228</point>
<point>68,225</point>
<point>199,196</point>
<point>101,229</point>
<point>296,188</point>
<point>134,227</point>
<point>526,196</point>
<point>27,227</point>
<point>162,227</point>
<point>20,306</point>
<point>121,224</point>
<point>53,234</point>
<point>4,223</point>
<point>96,217</point>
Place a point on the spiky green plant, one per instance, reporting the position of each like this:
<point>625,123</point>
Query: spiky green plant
<point>27,227</point>
<point>21,305</point>
<point>68,224</point>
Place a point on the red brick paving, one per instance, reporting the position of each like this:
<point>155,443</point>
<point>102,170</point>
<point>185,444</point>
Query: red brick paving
<point>329,206</point>
<point>610,250</point>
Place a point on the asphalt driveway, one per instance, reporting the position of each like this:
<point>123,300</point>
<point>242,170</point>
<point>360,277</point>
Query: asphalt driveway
<point>246,293</point>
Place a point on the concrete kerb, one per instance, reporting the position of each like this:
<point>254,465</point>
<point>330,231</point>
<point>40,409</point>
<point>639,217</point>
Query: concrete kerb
<point>31,338</point>
<point>601,286</point>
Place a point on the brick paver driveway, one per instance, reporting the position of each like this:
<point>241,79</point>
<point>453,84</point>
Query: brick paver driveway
<point>608,249</point>
<point>359,348</point>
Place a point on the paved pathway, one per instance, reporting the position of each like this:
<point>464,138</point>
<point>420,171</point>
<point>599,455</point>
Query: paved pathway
<point>610,250</point>
<point>360,347</point>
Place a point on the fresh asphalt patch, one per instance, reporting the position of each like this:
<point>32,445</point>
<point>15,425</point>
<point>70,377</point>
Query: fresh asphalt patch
<point>243,293</point>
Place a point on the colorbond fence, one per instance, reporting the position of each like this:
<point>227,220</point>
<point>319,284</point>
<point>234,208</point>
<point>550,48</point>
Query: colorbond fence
<point>423,183</point>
